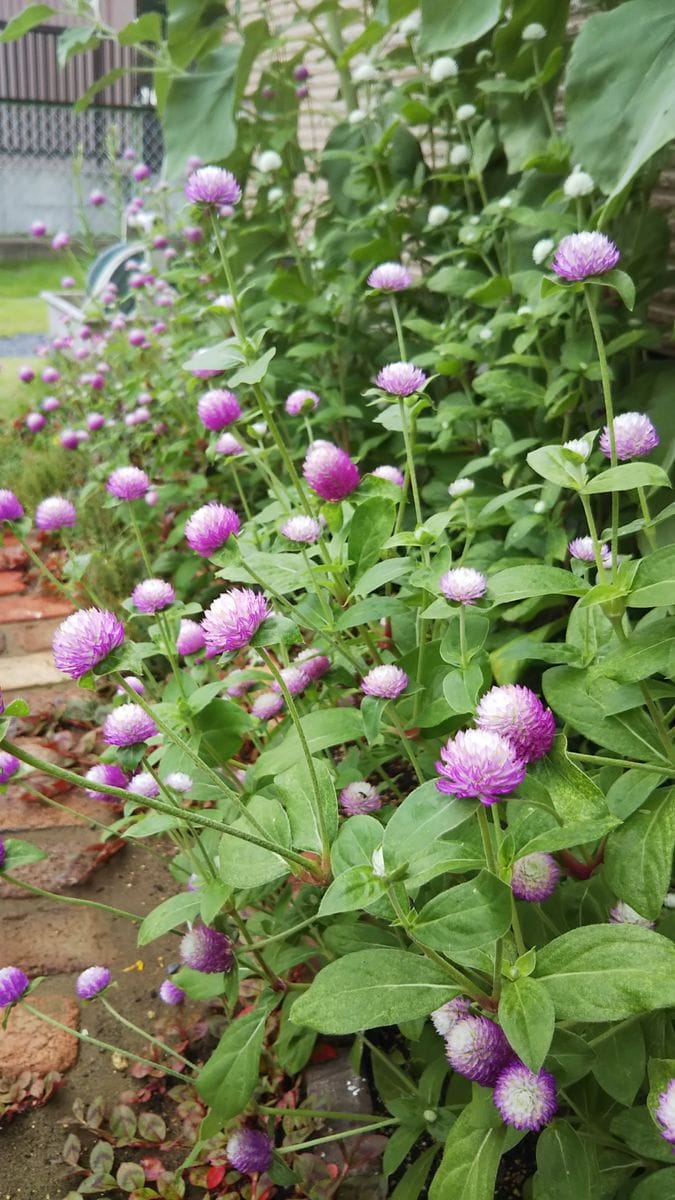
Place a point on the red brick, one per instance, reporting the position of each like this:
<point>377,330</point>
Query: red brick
<point>29,1044</point>
<point>32,608</point>
<point>44,939</point>
<point>25,637</point>
<point>12,583</point>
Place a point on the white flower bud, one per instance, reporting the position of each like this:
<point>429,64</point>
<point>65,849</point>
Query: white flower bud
<point>459,155</point>
<point>356,116</point>
<point>364,72</point>
<point>268,161</point>
<point>259,428</point>
<point>437,215</point>
<point>443,68</point>
<point>411,23</point>
<point>579,183</point>
<point>579,446</point>
<point>274,194</point>
<point>540,507</point>
<point>460,487</point>
<point>465,112</point>
<point>533,32</point>
<point>542,249</point>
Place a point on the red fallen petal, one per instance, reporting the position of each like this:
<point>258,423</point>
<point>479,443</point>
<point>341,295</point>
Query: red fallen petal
<point>324,1053</point>
<point>214,1176</point>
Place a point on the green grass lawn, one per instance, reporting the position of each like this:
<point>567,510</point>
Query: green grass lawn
<point>21,309</point>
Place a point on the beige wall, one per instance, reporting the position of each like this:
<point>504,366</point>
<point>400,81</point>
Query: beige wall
<point>114,12</point>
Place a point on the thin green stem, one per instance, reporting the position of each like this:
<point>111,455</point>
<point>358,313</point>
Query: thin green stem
<point>285,933</point>
<point>139,538</point>
<point>252,950</point>
<point>329,1114</point>
<point>649,531</point>
<point>486,838</point>
<point>609,413</point>
<point>38,891</point>
<point>405,743</point>
<point>391,1066</point>
<point>616,762</point>
<point>337,1137</point>
<point>592,529</point>
<point>457,976</point>
<point>143,1033</point>
<point>44,569</point>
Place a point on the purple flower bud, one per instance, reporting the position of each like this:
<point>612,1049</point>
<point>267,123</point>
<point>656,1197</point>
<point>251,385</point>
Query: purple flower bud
<point>50,375</point>
<point>35,421</point>
<point>128,483</point>
<point>68,282</point>
<point>302,529</point>
<point>302,92</point>
<point>151,595</point>
<point>295,678</point>
<point>170,993</point>
<point>665,1112</point>
<point>478,764</point>
<point>97,198</point>
<point>212,187</point>
<point>390,277</point>
<point>330,472</point>
<point>233,618</point>
<point>463,585</point>
<point>69,439</point>
<point>518,715</point>
<point>141,171</point>
<point>60,240</point>
<point>55,513</point>
<point>9,765</point>
<point>38,229</point>
<point>190,637</point>
<point>477,1048</point>
<point>400,379</point>
<point>13,984</point>
<point>136,337</point>
<point>194,235</point>
<point>386,682</point>
<point>313,663</point>
<point>205,949</point>
<point>210,526</point>
<point>249,1151</point>
<point>535,877</point>
<point>95,421</point>
<point>228,444</point>
<point>445,1018</point>
<point>50,404</point>
<point>267,92</point>
<point>128,725</point>
<point>523,1099</point>
<point>581,255</point>
<point>300,74</point>
<point>92,982</point>
<point>143,784</point>
<point>218,408</point>
<point>26,374</point>
<point>634,435</point>
<point>85,639</point>
<point>300,401</point>
<point>359,797</point>
<point>11,508</point>
<point>267,705</point>
<point>392,474</point>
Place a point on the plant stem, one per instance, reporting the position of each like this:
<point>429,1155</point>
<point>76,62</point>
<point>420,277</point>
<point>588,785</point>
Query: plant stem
<point>337,1137</point>
<point>486,838</point>
<point>249,948</point>
<point>616,762</point>
<point>38,891</point>
<point>330,1114</point>
<point>44,569</point>
<point>391,1066</point>
<point>459,978</point>
<point>405,742</point>
<point>609,413</point>
<point>592,529</point>
<point>142,1033</point>
<point>649,531</point>
<point>285,933</point>
<point>139,538</point>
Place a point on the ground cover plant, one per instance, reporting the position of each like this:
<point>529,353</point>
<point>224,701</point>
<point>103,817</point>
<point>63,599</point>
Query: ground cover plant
<point>377,441</point>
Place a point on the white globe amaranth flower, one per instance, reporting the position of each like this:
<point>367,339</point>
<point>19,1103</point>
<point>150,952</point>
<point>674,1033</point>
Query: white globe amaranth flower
<point>579,183</point>
<point>505,202</point>
<point>437,215</point>
<point>223,303</point>
<point>442,69</point>
<point>534,32</point>
<point>542,249</point>
<point>411,23</point>
<point>274,194</point>
<point>466,111</point>
<point>486,334</point>
<point>268,161</point>
<point>524,311</point>
<point>580,447</point>
<point>460,487</point>
<point>259,428</point>
<point>459,155</point>
<point>365,72</point>
<point>540,507</point>
<point>356,116</point>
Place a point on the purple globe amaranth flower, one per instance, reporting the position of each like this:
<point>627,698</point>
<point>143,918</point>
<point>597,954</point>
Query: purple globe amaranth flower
<point>92,982</point>
<point>212,187</point>
<point>228,444</point>
<point>249,1151</point>
<point>141,171</point>
<point>464,585</point>
<point>13,983</point>
<point>446,1017</point>
<point>478,764</point>
<point>518,715</point>
<point>217,409</point>
<point>95,421</point>
<point>85,639</point>
<point>60,240</point>
<point>38,229</point>
<point>233,618</point>
<point>190,637</point>
<point>392,474</point>
<point>302,529</point>
<point>128,483</point>
<point>50,375</point>
<point>136,337</point>
<point>11,508</point>
<point>665,1112</point>
<point>476,1048</point>
<point>295,679</point>
<point>26,374</point>
<point>390,277</point>
<point>524,1099</point>
<point>210,526</point>
<point>109,774</point>
<point>400,379</point>
<point>205,949</point>
<point>622,914</point>
<point>97,198</point>
<point>9,765</point>
<point>143,784</point>
<point>170,993</point>
<point>386,682</point>
<point>359,797</point>
<point>330,472</point>
<point>634,436</point>
<point>50,404</point>
<point>300,401</point>
<point>267,705</point>
<point>300,73</point>
<point>583,549</point>
<point>582,255</point>
<point>151,595</point>
<point>128,725</point>
<point>535,877</point>
<point>35,421</point>
<point>313,662</point>
<point>134,683</point>
<point>69,439</point>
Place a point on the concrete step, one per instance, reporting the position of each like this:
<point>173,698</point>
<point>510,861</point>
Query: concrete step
<point>34,677</point>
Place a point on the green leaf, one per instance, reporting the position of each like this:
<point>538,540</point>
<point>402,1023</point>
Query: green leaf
<point>471,1157</point>
<point>627,476</point>
<point>130,1176</point>
<point>27,19</point>
<point>639,855</point>
<point>621,106</point>
<point>101,1158</point>
<point>170,914</point>
<point>648,651</point>
<point>659,1186</point>
<point>411,1186</point>
<point>74,41</point>
<point>552,463</point>
<point>635,1127</point>
<point>356,888</point>
<point>229,1078</point>
<point>575,797</point>
<point>570,1057</point>
<point>244,865</point>
<point>456,23</point>
<point>372,988</point>
<point>369,529</point>
<point>224,356</point>
<point>193,27</point>
<point>99,84</point>
<point>607,972</point>
<point>293,1045</point>
<point>255,371</point>
<point>468,915</point>
<point>276,631</point>
<point>455,281</point>
<point>147,28</point>
<point>419,821</point>
<point>20,854</point>
<point>322,728</point>
<point>199,110</point>
<point>621,1061</point>
<point>629,734</point>
<point>296,789</point>
<point>527,1016</point>
<point>563,837</point>
<point>566,1166</point>
<point>620,282</point>
<point>654,580</point>
<point>359,836</point>
<point>491,293</point>
<point>519,583</point>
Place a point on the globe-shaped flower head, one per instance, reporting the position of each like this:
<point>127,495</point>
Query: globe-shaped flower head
<point>109,774</point>
<point>302,529</point>
<point>210,526</point>
<point>55,513</point>
<point>386,682</point>
<point>218,408</point>
<point>190,638</point>
<point>143,784</point>
<point>267,705</point>
<point>233,618</point>
<point>85,639</point>
<point>128,725</point>
<point>313,662</point>
<point>665,1112</point>
<point>92,982</point>
<point>211,187</point>
<point>300,401</point>
<point>524,1099</point>
<point>295,679</point>
<point>330,472</point>
<point>463,585</point>
<point>128,483</point>
<point>400,379</point>
<point>170,993</point>
<point>249,1151</point>
<point>13,983</point>
<point>390,473</point>
<point>11,508</point>
<point>478,764</point>
<point>359,797</point>
<point>205,949</point>
<point>582,548</point>
<point>151,595</point>
<point>582,255</point>
<point>477,1048</point>
<point>519,715</point>
<point>535,877</point>
<point>9,765</point>
<point>35,421</point>
<point>228,444</point>
<point>390,277</point>
<point>634,435</point>
<point>446,1017</point>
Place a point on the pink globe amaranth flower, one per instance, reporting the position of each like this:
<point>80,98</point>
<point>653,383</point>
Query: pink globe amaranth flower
<point>13,984</point>
<point>479,765</point>
<point>207,950</point>
<point>69,439</point>
<point>233,619</point>
<point>151,595</point>
<point>141,171</point>
<point>170,993</point>
<point>159,242</point>
<point>136,337</point>
<point>109,774</point>
<point>193,162</point>
<point>55,513</point>
<point>9,765</point>
<point>300,74</point>
<point>143,784</point>
<point>60,240</point>
<point>26,374</point>
<point>446,1017</point>
<point>476,1048</point>
<point>190,637</point>
<point>665,1112</point>
<point>217,409</point>
<point>524,1099</point>
<point>151,497</point>
<point>210,526</point>
<point>50,404</point>
<point>267,92</point>
<point>300,401</point>
<point>11,508</point>
<point>582,548</point>
<point>330,472</point>
<point>302,529</point>
<point>313,662</point>
<point>92,982</point>
<point>622,914</point>
<point>581,255</point>
<point>359,797</point>
<point>128,483</point>
<point>391,474</point>
<point>400,379</point>
<point>228,444</point>
<point>464,585</point>
<point>134,683</point>
<point>386,682</point>
<point>50,375</point>
<point>128,725</point>
<point>85,639</point>
<point>634,435</point>
<point>97,198</point>
<point>267,705</point>
<point>295,678</point>
<point>95,421</point>
<point>194,235</point>
<point>518,715</point>
<point>249,1151</point>
<point>38,229</point>
<point>212,187</point>
<point>390,277</point>
<point>535,877</point>
<point>68,282</point>
<point>96,382</point>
